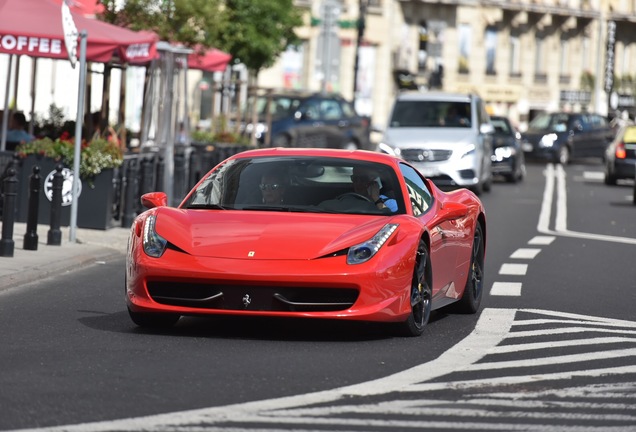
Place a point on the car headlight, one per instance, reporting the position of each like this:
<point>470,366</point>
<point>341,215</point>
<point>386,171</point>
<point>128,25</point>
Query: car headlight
<point>154,244</point>
<point>388,149</point>
<point>504,152</point>
<point>548,140</point>
<point>363,252</point>
<point>467,151</point>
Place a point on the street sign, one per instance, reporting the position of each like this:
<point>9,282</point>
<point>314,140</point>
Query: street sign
<point>70,33</point>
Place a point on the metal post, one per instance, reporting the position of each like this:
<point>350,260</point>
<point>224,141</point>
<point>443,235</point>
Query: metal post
<point>30,241</point>
<point>130,185</point>
<point>78,137</point>
<point>361,27</point>
<point>8,215</point>
<point>55,234</point>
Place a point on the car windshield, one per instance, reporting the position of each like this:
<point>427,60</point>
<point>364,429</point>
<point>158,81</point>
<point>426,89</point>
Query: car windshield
<point>279,106</point>
<point>501,126</point>
<point>298,184</point>
<point>411,113</point>
<point>549,123</point>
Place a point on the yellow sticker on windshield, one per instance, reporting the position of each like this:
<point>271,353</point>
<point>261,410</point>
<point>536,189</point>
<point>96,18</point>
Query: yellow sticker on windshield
<point>630,135</point>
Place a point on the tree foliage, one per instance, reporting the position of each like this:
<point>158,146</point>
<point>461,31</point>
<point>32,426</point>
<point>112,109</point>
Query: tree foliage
<point>189,22</point>
<point>258,31</point>
<point>254,32</point>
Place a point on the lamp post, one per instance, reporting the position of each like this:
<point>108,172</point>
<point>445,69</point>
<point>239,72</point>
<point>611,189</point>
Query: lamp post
<point>362,12</point>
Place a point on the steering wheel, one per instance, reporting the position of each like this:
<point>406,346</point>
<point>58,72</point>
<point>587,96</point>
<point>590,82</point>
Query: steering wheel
<point>354,195</point>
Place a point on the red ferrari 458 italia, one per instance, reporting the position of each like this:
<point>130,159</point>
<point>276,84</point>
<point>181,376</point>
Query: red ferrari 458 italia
<point>316,233</point>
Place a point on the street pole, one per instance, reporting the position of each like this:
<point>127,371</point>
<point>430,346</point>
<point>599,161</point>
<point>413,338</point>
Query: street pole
<point>362,12</point>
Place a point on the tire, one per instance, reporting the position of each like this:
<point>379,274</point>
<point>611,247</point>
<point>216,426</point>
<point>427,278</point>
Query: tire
<point>487,185</point>
<point>610,179</point>
<point>153,319</point>
<point>421,294</point>
<point>563,155</point>
<point>471,298</point>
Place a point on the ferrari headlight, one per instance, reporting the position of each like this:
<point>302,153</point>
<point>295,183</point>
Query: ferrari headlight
<point>363,252</point>
<point>154,244</point>
<point>548,140</point>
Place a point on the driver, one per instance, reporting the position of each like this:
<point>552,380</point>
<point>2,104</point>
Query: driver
<point>366,182</point>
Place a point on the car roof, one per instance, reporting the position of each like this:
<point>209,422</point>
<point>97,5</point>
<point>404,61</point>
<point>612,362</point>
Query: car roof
<point>364,155</point>
<point>436,96</point>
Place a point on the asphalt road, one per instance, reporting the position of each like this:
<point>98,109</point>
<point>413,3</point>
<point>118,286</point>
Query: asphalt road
<point>551,349</point>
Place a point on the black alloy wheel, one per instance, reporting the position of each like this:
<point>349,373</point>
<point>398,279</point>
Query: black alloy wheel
<point>474,288</point>
<point>421,294</point>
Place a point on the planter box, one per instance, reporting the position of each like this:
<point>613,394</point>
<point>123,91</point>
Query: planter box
<point>95,204</point>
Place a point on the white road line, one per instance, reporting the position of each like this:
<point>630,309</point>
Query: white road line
<point>543,226</point>
<point>493,328</point>
<point>561,344</point>
<point>513,269</point>
<point>525,253</point>
<point>541,240</point>
<point>506,289</point>
<point>594,175</point>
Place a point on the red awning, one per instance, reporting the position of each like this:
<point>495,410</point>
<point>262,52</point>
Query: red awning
<point>34,28</point>
<point>210,59</point>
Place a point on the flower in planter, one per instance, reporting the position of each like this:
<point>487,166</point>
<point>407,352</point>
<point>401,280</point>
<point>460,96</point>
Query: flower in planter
<point>96,155</point>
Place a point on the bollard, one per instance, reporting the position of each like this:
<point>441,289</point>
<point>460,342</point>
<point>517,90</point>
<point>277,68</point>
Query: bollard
<point>130,184</point>
<point>10,184</point>
<point>30,241</point>
<point>55,234</point>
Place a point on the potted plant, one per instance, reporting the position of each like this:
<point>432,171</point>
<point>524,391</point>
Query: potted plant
<point>99,159</point>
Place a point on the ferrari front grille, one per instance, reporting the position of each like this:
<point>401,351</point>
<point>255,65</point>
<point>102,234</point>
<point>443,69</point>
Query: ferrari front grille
<point>252,297</point>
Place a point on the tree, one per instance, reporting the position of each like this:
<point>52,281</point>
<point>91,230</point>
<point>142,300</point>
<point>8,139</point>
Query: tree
<point>189,22</point>
<point>256,32</point>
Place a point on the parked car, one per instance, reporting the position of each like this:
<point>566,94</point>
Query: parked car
<point>620,156</point>
<point>508,159</point>
<point>447,136</point>
<point>308,119</point>
<point>562,136</point>
<point>283,233</point>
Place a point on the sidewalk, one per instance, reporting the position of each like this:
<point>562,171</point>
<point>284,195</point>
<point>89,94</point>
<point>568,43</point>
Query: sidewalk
<point>90,246</point>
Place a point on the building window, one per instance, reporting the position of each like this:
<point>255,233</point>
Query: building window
<point>464,48</point>
<point>491,50</point>
<point>564,67</point>
<point>515,56</point>
<point>539,61</point>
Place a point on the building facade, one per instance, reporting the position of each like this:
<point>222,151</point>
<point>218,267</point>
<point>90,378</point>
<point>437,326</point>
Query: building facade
<point>521,56</point>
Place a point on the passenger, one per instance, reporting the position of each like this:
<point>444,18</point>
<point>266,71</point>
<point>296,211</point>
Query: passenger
<point>367,183</point>
<point>272,188</point>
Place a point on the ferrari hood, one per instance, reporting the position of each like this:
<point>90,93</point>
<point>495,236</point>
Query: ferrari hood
<point>263,234</point>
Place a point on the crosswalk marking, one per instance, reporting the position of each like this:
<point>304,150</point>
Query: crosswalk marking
<point>525,253</point>
<point>506,289</point>
<point>541,240</point>
<point>513,269</point>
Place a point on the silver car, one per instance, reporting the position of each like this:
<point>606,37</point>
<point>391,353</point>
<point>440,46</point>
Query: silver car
<point>447,136</point>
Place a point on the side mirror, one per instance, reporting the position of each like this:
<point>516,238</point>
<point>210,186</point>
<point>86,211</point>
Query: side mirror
<point>453,210</point>
<point>154,199</point>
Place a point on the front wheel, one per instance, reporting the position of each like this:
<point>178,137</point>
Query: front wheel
<point>474,288</point>
<point>421,294</point>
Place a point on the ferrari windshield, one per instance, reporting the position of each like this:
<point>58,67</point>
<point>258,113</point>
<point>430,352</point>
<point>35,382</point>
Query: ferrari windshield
<point>300,184</point>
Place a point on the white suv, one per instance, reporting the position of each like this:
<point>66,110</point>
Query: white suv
<point>447,136</point>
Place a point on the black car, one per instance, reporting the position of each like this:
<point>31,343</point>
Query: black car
<point>507,157</point>
<point>309,119</point>
<point>620,157</point>
<point>562,136</point>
